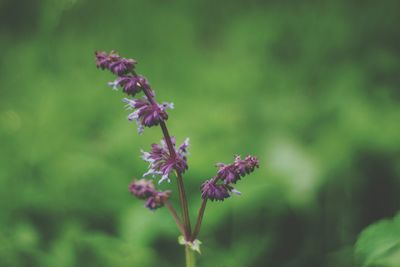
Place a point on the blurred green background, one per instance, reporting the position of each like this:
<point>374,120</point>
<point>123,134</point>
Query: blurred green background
<point>310,87</point>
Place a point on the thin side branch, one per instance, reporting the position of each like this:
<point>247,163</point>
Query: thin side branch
<point>176,217</point>
<point>199,219</point>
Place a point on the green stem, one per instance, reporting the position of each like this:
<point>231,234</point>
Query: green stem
<point>190,257</point>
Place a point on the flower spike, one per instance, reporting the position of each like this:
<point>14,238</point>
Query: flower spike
<point>167,158</point>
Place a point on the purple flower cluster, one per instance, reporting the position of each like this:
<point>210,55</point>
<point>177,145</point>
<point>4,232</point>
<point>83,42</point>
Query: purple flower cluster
<point>213,191</point>
<point>113,62</point>
<point>131,85</point>
<point>220,186</point>
<point>166,158</point>
<point>144,189</point>
<point>147,112</point>
<point>162,163</point>
<point>231,173</point>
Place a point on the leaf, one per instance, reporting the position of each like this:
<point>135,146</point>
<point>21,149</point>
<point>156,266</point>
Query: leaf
<point>379,244</point>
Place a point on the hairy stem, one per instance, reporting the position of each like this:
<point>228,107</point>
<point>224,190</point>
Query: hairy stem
<point>199,219</point>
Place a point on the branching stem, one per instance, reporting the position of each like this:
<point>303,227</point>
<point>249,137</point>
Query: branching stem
<point>176,217</point>
<point>199,219</point>
<point>181,186</point>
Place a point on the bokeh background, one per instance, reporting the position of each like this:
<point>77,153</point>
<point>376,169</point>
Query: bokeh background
<point>310,87</point>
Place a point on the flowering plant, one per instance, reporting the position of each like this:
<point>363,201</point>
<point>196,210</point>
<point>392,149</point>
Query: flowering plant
<point>166,159</point>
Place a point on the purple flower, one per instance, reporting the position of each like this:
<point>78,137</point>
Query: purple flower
<point>162,163</point>
<point>144,189</point>
<point>246,166</point>
<point>227,173</point>
<point>114,62</point>
<point>220,187</point>
<point>231,173</point>
<point>130,84</point>
<point>103,59</point>
<point>183,147</point>
<point>157,200</point>
<point>144,83</point>
<point>121,66</point>
<point>147,114</point>
<point>213,191</point>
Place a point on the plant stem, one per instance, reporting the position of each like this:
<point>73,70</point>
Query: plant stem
<point>176,217</point>
<point>181,186</point>
<point>199,219</point>
<point>190,257</point>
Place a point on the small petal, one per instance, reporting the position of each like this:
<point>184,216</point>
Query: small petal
<point>152,172</point>
<point>114,84</point>
<point>184,146</point>
<point>163,178</point>
<point>233,190</point>
<point>168,105</point>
